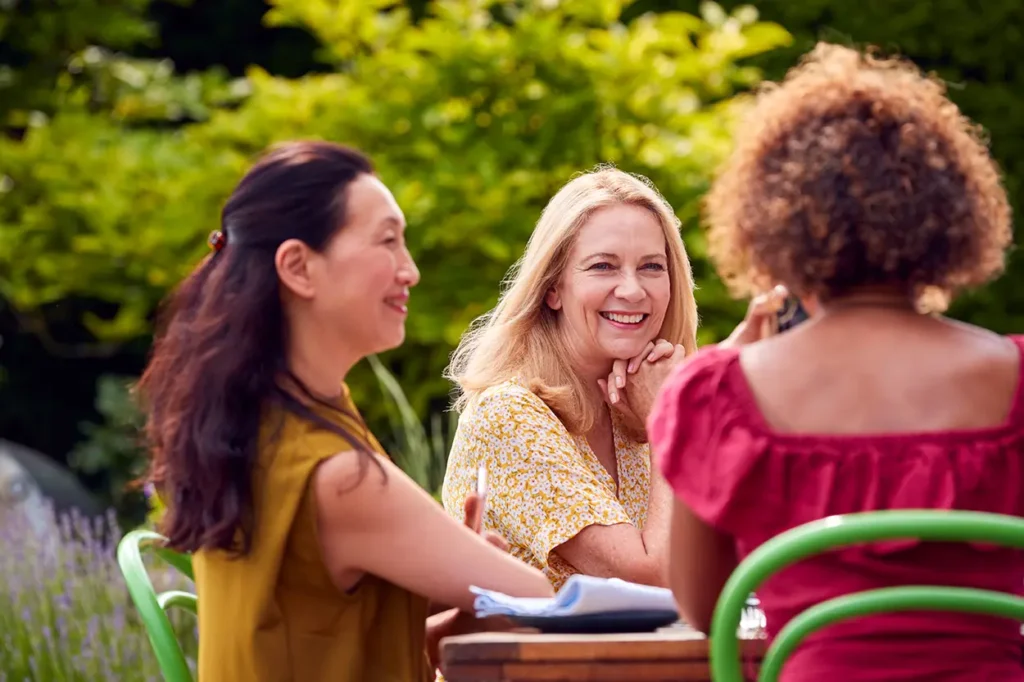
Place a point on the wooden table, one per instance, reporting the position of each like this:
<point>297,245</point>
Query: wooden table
<point>674,655</point>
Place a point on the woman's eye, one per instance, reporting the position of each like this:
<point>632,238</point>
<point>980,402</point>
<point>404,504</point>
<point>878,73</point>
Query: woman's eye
<point>656,267</point>
<point>600,266</point>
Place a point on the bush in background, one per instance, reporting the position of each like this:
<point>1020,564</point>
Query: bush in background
<point>420,451</point>
<point>974,52</point>
<point>111,455</point>
<point>113,449</point>
<point>476,114</point>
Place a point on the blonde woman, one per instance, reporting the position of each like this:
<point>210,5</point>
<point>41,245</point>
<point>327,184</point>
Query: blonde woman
<point>604,285</point>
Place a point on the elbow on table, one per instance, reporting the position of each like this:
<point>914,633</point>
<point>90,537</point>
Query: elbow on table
<point>649,572</point>
<point>645,570</point>
<point>697,619</point>
<point>696,609</point>
<point>614,552</point>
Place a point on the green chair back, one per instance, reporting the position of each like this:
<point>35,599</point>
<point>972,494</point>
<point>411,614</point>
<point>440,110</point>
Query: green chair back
<point>841,531</point>
<point>152,607</point>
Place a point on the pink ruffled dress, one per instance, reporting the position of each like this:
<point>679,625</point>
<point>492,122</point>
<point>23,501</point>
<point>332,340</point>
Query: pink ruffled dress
<point>747,481</point>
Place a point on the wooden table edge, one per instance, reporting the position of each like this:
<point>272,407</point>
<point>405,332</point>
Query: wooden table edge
<point>498,647</point>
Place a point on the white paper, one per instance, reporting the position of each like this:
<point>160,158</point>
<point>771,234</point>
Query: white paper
<point>579,595</point>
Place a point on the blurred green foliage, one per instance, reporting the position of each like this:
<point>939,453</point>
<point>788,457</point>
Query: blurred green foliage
<point>420,451</point>
<point>38,40</point>
<point>111,452</point>
<point>475,115</point>
<point>113,165</point>
<point>973,47</point>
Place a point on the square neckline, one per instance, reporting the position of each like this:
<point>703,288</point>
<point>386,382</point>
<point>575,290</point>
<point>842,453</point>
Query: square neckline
<point>1008,425</point>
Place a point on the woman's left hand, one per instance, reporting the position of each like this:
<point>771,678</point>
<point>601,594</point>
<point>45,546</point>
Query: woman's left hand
<point>632,385</point>
<point>758,322</point>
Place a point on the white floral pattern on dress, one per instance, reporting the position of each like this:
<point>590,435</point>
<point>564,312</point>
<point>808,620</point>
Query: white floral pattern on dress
<point>545,484</point>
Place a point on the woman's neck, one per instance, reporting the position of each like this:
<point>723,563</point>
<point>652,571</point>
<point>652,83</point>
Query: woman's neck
<point>591,373</point>
<point>886,298</point>
<point>321,369</point>
<point>586,365</point>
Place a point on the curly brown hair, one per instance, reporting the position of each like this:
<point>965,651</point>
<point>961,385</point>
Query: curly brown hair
<point>857,171</point>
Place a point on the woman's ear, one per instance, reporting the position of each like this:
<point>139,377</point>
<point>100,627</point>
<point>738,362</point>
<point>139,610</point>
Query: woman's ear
<point>553,300</point>
<point>292,261</point>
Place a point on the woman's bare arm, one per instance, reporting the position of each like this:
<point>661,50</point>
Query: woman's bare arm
<point>623,551</point>
<point>700,562</point>
<point>377,520</point>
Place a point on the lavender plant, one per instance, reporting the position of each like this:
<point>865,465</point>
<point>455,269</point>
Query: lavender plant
<point>65,613</point>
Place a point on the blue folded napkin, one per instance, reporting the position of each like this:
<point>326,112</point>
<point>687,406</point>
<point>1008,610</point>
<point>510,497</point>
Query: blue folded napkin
<point>580,595</point>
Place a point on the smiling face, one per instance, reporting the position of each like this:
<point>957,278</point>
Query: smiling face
<point>615,290</point>
<point>364,276</point>
<point>353,294</point>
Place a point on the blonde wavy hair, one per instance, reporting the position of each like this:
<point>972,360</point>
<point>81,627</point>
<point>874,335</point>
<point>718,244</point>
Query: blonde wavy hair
<point>518,339</point>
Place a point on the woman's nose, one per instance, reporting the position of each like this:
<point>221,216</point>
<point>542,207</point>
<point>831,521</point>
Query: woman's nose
<point>629,289</point>
<point>408,272</point>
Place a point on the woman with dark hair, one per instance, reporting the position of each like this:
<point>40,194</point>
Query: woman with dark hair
<point>315,556</point>
<point>863,190</point>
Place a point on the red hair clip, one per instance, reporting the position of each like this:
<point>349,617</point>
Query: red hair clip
<point>217,240</point>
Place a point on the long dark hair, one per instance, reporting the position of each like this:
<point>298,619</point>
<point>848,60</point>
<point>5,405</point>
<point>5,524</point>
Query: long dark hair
<point>220,353</point>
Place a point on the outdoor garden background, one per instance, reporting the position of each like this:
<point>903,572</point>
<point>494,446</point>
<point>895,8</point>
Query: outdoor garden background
<point>125,123</point>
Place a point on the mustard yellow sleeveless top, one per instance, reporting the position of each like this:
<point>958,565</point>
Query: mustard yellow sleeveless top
<point>274,615</point>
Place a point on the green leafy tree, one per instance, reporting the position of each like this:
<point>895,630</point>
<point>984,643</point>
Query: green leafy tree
<point>975,52</point>
<point>475,115</point>
<point>37,41</point>
<point>111,451</point>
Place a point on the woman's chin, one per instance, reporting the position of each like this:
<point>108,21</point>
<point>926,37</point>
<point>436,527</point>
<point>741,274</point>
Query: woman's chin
<point>390,341</point>
<point>624,351</point>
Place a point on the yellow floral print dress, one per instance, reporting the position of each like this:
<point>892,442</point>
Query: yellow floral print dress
<point>545,484</point>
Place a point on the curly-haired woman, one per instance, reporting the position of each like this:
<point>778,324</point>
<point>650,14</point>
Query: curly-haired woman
<point>861,188</point>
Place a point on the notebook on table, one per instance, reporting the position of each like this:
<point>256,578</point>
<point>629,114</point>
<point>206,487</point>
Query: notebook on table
<point>580,595</point>
<point>589,604</point>
<point>585,604</point>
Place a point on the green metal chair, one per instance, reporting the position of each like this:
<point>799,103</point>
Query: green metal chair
<point>851,529</point>
<point>152,607</point>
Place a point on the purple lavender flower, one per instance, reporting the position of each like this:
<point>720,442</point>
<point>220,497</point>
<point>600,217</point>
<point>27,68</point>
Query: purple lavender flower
<point>65,613</point>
